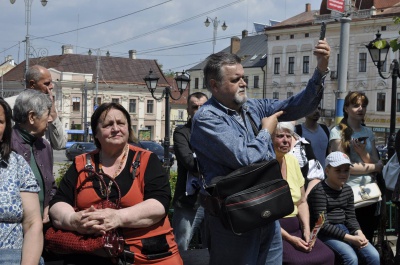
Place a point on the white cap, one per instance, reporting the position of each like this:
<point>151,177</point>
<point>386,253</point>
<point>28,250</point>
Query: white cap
<point>336,159</point>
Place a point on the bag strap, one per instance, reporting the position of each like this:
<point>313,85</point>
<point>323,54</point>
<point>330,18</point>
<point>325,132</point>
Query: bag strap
<point>91,175</point>
<point>136,164</point>
<point>299,129</point>
<point>253,124</point>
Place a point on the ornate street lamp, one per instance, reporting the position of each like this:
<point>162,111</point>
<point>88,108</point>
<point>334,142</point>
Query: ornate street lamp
<point>379,55</point>
<point>215,22</point>
<point>182,81</point>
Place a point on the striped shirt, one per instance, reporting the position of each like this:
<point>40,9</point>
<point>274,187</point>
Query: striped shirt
<point>338,206</point>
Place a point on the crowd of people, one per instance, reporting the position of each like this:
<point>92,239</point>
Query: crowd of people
<point>321,167</point>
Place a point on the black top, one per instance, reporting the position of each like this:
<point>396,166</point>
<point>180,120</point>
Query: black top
<point>186,162</point>
<point>156,182</point>
<point>338,206</point>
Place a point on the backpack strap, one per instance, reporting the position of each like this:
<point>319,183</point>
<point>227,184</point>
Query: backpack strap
<point>326,130</point>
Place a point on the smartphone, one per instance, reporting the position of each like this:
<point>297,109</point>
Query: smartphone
<point>362,139</point>
<point>322,32</point>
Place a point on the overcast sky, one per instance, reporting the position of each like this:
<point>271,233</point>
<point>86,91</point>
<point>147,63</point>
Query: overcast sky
<point>171,31</point>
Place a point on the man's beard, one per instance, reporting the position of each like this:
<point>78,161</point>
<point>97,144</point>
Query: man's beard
<point>240,100</point>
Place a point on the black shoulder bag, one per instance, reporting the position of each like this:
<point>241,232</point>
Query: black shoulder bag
<point>249,197</point>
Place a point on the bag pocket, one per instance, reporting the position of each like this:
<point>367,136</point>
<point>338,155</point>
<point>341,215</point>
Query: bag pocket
<point>257,206</point>
<point>156,247</point>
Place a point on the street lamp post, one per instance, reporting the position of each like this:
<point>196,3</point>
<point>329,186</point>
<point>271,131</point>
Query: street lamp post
<point>379,56</point>
<point>28,5</point>
<point>215,22</point>
<point>151,82</point>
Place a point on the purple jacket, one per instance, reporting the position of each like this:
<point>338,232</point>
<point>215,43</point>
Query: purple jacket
<point>44,158</point>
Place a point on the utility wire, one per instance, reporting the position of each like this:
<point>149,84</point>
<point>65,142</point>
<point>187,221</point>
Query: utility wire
<point>97,24</point>
<point>171,25</point>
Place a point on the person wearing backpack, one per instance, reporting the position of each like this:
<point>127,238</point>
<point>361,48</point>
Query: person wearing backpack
<point>316,133</point>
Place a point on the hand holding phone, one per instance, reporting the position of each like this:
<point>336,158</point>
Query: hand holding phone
<point>322,32</point>
<point>362,139</point>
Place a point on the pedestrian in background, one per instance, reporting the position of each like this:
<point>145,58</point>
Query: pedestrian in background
<point>316,133</point>
<point>188,214</point>
<point>39,78</point>
<point>223,140</point>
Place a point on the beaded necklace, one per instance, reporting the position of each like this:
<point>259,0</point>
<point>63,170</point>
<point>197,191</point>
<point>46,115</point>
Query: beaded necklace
<point>107,190</point>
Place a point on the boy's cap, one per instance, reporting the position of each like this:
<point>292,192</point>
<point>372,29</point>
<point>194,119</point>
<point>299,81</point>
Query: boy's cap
<point>336,159</point>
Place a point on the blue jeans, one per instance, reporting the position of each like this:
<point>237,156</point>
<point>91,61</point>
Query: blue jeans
<point>185,222</point>
<point>349,254</point>
<point>261,246</point>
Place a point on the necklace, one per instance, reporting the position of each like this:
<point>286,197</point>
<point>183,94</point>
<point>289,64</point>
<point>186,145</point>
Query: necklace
<point>107,190</point>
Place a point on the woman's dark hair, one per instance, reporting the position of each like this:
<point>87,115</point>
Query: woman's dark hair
<point>5,144</point>
<point>105,108</point>
<point>346,130</point>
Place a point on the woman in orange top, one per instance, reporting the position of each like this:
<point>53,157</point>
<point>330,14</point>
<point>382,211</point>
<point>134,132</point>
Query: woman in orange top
<point>145,194</point>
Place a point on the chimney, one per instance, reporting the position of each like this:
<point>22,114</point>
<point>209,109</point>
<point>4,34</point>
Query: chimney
<point>67,49</point>
<point>8,58</point>
<point>308,7</point>
<point>245,33</point>
<point>235,45</point>
<point>132,54</point>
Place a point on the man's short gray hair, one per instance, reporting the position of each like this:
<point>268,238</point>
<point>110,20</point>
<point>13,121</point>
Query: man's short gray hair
<point>33,73</point>
<point>30,100</point>
<point>215,62</point>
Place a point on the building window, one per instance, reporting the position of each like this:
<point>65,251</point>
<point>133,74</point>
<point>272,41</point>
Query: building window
<point>132,105</point>
<point>380,102</point>
<point>150,106</point>
<point>180,114</point>
<point>289,94</point>
<point>256,81</point>
<point>291,65</point>
<point>76,104</point>
<point>204,83</point>
<point>275,95</point>
<point>196,83</point>
<point>398,103</point>
<point>277,38</point>
<point>292,36</point>
<point>362,67</point>
<point>307,35</point>
<point>134,129</point>
<point>277,65</point>
<point>306,64</point>
<point>115,100</point>
<point>383,28</point>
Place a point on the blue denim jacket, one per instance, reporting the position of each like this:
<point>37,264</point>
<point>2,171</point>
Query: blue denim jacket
<point>223,141</point>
